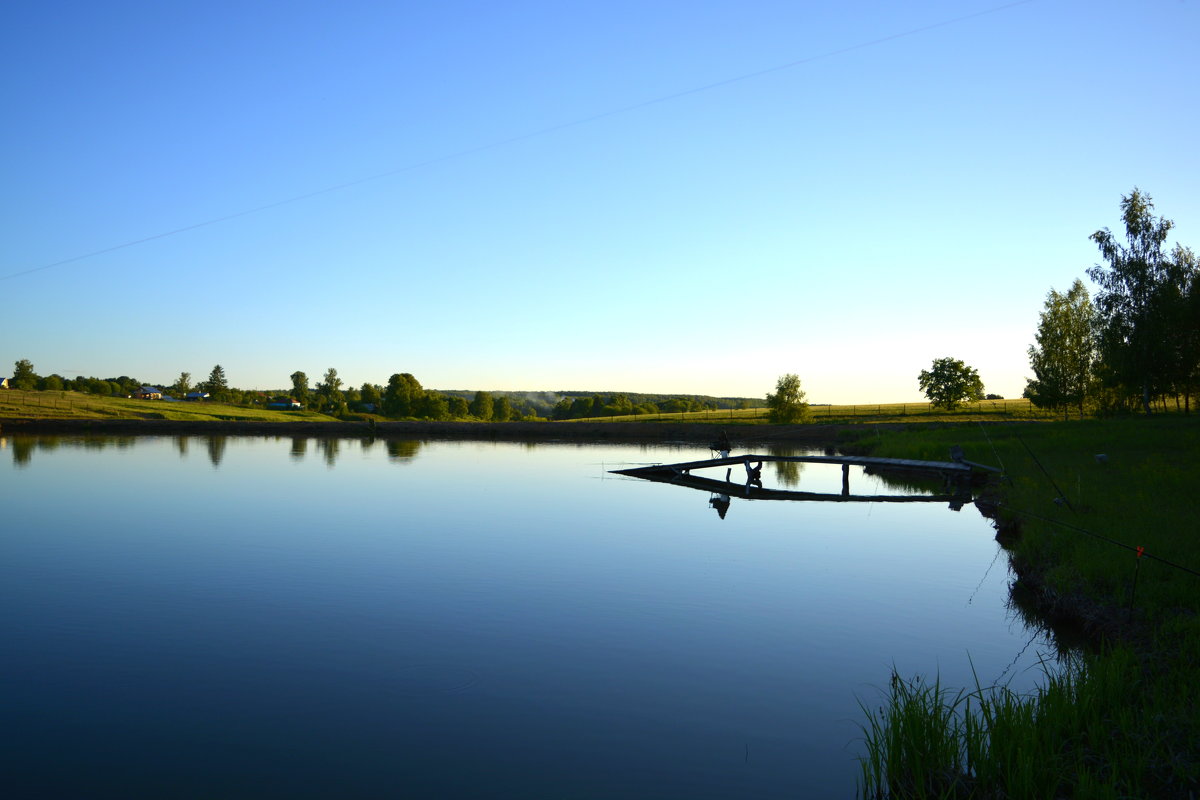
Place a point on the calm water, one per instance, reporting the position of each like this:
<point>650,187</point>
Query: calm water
<point>244,617</point>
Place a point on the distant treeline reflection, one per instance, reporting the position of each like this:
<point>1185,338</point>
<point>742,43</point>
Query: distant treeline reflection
<point>23,447</point>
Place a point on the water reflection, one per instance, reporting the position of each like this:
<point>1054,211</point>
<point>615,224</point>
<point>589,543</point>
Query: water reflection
<point>743,479</point>
<point>23,450</point>
<point>329,450</point>
<point>216,449</point>
<point>402,450</point>
<point>294,617</point>
<point>787,472</point>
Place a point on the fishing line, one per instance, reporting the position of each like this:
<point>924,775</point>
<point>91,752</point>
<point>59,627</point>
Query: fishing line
<point>1049,477</point>
<point>992,445</point>
<point>1102,538</point>
<point>527,136</point>
<point>995,558</point>
<point>1037,631</point>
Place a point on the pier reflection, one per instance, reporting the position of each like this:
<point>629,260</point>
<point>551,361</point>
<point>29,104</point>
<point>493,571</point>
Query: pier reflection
<point>930,482</point>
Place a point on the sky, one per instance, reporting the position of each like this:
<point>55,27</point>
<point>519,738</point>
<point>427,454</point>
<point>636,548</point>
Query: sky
<point>654,196</point>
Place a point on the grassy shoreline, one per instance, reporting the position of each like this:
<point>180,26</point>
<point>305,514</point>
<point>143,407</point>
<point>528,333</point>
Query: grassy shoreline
<point>1118,720</point>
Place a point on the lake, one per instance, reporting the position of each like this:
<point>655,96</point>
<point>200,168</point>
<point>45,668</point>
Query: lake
<point>201,617</point>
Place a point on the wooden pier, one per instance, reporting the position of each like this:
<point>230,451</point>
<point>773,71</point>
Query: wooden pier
<point>906,464</point>
<point>957,472</point>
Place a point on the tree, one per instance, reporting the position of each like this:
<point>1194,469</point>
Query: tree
<point>1178,304</point>
<point>459,407</point>
<point>582,407</point>
<point>183,384</point>
<point>402,396</point>
<point>23,375</point>
<point>1191,311</point>
<point>787,403</point>
<point>371,395</point>
<point>1132,345</point>
<point>432,405</point>
<point>216,385</point>
<point>300,387</point>
<point>1065,352</point>
<point>330,391</point>
<point>502,410</point>
<point>482,406</point>
<point>950,383</point>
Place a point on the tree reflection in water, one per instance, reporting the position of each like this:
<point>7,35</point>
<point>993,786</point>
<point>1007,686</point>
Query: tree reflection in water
<point>216,449</point>
<point>402,449</point>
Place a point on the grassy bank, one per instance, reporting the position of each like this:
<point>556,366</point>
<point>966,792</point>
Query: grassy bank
<point>76,405</point>
<point>1119,720</point>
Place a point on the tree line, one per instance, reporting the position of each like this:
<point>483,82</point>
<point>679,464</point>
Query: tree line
<point>1138,344</point>
<point>402,397</point>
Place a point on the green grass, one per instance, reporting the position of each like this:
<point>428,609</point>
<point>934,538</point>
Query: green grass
<point>1007,410</point>
<point>75,405</point>
<point>1120,720</point>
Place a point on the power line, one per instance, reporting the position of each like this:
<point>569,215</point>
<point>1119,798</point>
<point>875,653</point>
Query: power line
<point>527,136</point>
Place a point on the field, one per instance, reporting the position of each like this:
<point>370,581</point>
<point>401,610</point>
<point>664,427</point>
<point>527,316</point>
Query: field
<point>75,405</point>
<point>1007,410</point>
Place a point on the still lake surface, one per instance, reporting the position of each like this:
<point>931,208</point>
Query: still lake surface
<point>271,617</point>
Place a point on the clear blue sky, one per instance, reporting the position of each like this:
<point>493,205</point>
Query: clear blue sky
<point>907,190</point>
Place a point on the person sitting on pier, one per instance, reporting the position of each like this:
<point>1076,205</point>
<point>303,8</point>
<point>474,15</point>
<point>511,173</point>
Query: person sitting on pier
<point>722,445</point>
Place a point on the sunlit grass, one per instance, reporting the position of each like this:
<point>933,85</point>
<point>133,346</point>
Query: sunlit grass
<point>76,405</point>
<point>1019,409</point>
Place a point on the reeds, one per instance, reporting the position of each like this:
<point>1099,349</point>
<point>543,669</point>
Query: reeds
<point>1079,735</point>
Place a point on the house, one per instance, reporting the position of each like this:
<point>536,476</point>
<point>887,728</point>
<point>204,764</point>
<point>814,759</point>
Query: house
<point>285,403</point>
<point>148,393</point>
<point>4,383</point>
<point>196,396</point>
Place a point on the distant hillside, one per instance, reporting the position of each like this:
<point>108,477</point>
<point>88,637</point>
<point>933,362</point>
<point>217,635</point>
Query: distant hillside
<point>545,403</point>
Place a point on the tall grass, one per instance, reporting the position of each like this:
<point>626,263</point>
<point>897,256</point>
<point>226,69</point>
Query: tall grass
<point>1076,736</point>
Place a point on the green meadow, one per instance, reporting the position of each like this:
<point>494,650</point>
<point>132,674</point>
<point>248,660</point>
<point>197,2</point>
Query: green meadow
<point>77,405</point>
<point>993,410</point>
